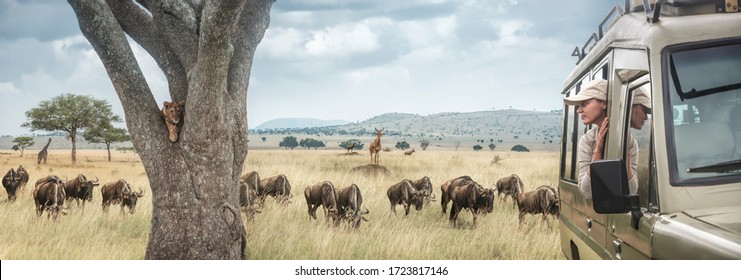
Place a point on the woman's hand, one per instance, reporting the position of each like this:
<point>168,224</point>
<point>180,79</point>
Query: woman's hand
<point>600,146</point>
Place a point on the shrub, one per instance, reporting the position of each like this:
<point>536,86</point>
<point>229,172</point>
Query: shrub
<point>520,148</point>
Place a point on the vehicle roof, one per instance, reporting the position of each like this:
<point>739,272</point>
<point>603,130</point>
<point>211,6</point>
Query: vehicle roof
<point>634,31</point>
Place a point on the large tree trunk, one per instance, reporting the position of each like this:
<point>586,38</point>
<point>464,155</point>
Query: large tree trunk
<point>205,49</point>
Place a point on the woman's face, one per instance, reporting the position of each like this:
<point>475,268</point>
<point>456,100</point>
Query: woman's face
<point>592,111</point>
<point>638,116</point>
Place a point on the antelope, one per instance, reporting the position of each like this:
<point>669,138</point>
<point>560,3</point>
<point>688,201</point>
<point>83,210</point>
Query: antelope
<point>375,147</point>
<point>350,147</point>
<point>408,153</point>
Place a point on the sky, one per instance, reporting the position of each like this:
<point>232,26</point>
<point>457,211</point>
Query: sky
<point>332,59</point>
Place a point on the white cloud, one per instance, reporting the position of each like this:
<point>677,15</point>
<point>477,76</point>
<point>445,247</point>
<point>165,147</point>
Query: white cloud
<point>283,43</point>
<point>343,40</point>
<point>8,88</point>
<point>511,32</point>
<point>379,78</point>
<point>438,31</point>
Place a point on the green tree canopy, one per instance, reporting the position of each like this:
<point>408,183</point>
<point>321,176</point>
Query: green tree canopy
<point>289,142</point>
<point>492,146</point>
<point>403,145</point>
<point>106,134</point>
<point>477,147</point>
<point>311,143</point>
<point>520,148</point>
<point>21,143</point>
<point>70,113</point>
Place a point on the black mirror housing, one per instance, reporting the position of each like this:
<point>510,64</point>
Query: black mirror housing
<point>610,192</point>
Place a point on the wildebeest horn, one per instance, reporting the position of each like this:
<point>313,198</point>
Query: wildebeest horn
<point>366,211</point>
<point>140,193</point>
<point>96,181</point>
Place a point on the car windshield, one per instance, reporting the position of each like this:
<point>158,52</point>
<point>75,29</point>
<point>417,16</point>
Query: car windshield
<point>705,96</point>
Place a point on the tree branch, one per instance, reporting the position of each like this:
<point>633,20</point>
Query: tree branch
<point>248,32</point>
<point>180,24</point>
<point>100,27</point>
<point>138,24</point>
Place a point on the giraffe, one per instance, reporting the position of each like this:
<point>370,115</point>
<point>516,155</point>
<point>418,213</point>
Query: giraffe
<point>375,147</point>
<point>44,152</point>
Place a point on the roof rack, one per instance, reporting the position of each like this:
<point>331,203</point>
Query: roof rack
<point>653,8</point>
<point>615,13</point>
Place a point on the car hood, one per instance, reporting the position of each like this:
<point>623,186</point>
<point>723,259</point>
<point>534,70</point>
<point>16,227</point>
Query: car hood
<point>727,218</point>
<point>712,233</point>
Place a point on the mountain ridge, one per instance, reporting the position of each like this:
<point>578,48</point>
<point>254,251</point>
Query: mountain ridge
<point>298,123</point>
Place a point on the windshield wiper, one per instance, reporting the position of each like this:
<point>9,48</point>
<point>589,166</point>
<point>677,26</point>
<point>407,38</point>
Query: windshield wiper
<point>720,167</point>
<point>694,93</point>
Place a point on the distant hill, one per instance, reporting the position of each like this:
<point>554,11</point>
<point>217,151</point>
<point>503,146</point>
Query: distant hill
<point>505,127</point>
<point>501,124</point>
<point>298,123</point>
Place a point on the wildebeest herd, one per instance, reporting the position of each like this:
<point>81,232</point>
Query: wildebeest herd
<point>54,195</point>
<point>346,204</point>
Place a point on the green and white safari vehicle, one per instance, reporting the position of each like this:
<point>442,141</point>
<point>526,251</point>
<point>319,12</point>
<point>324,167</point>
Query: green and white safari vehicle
<point>686,54</point>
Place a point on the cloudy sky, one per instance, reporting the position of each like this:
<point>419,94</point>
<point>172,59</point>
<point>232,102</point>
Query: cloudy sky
<point>332,59</point>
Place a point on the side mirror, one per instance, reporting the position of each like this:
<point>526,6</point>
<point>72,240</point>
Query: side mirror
<point>610,192</point>
<point>609,186</point>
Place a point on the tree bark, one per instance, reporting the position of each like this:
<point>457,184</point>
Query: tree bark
<point>205,49</point>
<point>73,139</point>
<point>108,147</point>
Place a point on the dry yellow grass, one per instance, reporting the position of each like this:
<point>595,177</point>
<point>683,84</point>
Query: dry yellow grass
<point>286,232</point>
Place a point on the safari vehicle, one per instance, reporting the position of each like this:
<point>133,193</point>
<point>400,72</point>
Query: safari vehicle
<point>686,54</point>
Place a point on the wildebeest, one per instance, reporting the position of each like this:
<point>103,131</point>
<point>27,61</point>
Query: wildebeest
<point>449,185</point>
<point>405,194</point>
<point>248,199</point>
<point>324,194</point>
<point>470,196</point>
<point>49,195</point>
<point>509,186</point>
<point>424,186</point>
<point>45,179</point>
<point>80,188</point>
<point>11,182</point>
<point>120,192</point>
<point>24,176</point>
<point>543,200</point>
<point>349,201</point>
<point>277,187</point>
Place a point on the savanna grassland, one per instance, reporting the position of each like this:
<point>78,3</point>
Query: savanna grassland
<point>286,232</point>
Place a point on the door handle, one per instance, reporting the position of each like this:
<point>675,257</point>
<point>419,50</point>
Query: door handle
<point>617,245</point>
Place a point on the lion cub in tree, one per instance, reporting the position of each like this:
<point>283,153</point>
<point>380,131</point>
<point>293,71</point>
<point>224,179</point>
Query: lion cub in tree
<point>173,114</point>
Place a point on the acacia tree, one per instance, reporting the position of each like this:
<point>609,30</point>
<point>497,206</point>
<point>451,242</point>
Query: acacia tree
<point>289,142</point>
<point>205,50</point>
<point>70,113</point>
<point>424,144</point>
<point>23,142</point>
<point>106,134</point>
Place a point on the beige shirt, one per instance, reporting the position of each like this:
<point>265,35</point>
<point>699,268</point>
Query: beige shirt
<point>584,158</point>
